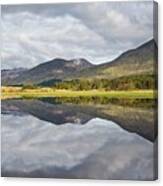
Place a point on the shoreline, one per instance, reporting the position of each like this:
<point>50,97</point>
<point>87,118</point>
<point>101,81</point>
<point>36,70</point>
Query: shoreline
<point>17,92</point>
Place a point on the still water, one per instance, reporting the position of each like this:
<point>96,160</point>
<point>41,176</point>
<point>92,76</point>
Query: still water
<point>43,138</point>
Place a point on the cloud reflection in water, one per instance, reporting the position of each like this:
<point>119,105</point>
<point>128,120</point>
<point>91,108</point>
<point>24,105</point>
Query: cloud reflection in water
<point>100,149</point>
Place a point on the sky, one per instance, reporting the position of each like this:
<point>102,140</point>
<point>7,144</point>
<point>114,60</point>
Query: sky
<point>99,31</point>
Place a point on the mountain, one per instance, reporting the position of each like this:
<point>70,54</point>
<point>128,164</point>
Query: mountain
<point>8,75</point>
<point>54,69</point>
<point>139,61</point>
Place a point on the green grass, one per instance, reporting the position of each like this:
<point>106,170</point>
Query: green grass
<point>48,92</point>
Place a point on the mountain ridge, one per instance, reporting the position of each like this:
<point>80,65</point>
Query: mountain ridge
<point>57,68</point>
<point>140,60</point>
<point>135,61</point>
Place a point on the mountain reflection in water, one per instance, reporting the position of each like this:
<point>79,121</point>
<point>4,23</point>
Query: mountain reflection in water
<point>103,148</point>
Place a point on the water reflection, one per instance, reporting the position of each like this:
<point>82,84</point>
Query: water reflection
<point>138,116</point>
<point>100,149</point>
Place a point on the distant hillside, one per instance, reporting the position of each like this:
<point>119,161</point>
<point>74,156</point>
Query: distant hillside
<point>139,61</point>
<point>7,75</point>
<point>55,69</point>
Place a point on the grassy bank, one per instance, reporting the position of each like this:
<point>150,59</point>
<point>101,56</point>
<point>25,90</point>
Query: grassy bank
<point>18,92</point>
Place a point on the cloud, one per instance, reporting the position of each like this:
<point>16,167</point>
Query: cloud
<point>99,32</point>
<point>43,148</point>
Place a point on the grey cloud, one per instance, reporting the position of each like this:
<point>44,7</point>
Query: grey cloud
<point>44,148</point>
<point>96,31</point>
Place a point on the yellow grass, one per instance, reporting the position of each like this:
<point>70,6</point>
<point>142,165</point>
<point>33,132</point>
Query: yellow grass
<point>18,92</point>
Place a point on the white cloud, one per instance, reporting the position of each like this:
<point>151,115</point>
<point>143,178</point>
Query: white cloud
<point>96,31</point>
<point>117,153</point>
<point>34,39</point>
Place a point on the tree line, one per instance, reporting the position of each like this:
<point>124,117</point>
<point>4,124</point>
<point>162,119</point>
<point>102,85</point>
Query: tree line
<point>123,83</point>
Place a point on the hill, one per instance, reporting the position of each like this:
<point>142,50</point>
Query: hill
<point>7,75</point>
<point>133,63</point>
<point>57,69</point>
<point>141,60</point>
